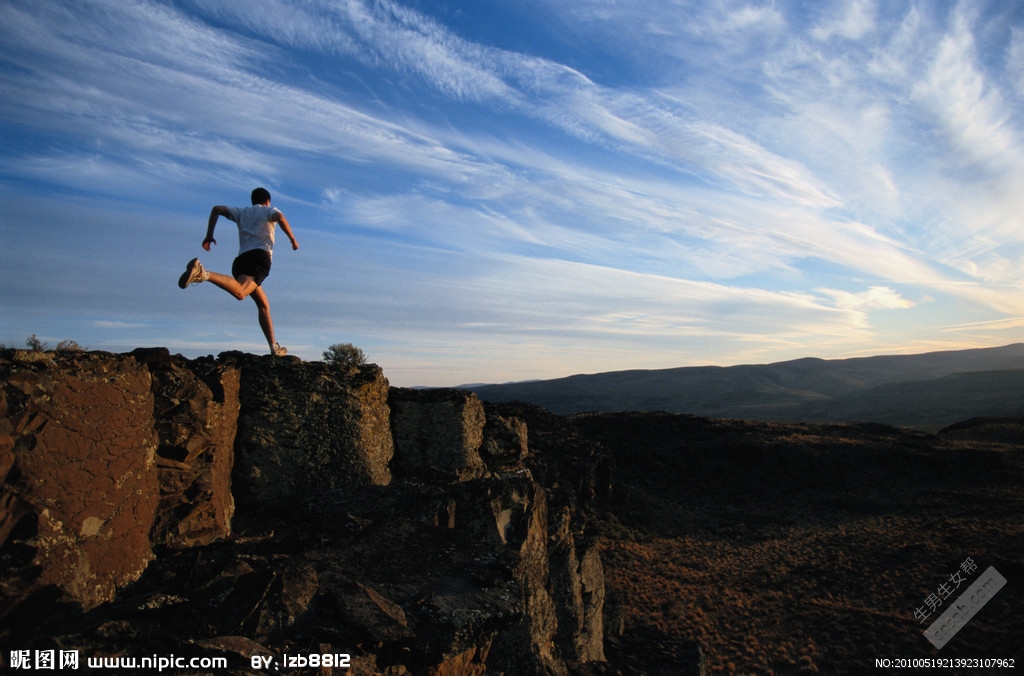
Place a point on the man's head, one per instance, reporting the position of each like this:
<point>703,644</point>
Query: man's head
<point>260,196</point>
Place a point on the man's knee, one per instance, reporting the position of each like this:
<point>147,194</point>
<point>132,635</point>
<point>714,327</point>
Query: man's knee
<point>246,286</point>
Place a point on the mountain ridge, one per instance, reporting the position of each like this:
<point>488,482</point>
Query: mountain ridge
<point>925,389</point>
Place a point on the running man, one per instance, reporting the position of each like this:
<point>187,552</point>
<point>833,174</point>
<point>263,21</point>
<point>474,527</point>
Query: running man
<point>251,267</point>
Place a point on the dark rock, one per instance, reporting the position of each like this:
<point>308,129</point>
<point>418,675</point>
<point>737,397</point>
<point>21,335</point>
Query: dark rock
<point>80,490</point>
<point>577,581</point>
<point>438,433</point>
<point>505,443</point>
<point>307,427</point>
<point>196,415</point>
<point>369,612</point>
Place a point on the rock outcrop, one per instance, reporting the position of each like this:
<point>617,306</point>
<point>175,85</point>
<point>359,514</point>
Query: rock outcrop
<point>262,505</point>
<point>438,434</point>
<point>78,456</point>
<point>309,427</point>
<point>195,418</point>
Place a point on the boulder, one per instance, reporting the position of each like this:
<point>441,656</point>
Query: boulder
<point>78,454</point>
<point>306,427</point>
<point>438,433</point>
<point>505,443</point>
<point>196,418</point>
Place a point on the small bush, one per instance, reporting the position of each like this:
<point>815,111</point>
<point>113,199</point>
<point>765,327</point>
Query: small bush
<point>36,344</point>
<point>345,354</point>
<point>69,346</point>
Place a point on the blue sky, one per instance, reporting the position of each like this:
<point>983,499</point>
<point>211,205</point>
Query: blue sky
<point>494,191</point>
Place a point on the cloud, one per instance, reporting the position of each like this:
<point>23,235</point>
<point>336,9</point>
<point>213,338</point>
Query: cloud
<point>106,324</point>
<point>379,34</point>
<point>968,109</point>
<point>403,40</point>
<point>853,20</point>
<point>875,298</point>
<point>746,17</point>
<point>1015,60</point>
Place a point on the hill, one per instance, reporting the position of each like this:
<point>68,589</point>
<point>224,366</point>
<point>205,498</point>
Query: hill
<point>933,389</point>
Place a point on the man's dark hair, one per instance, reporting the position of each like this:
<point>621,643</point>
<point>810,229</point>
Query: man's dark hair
<point>260,195</point>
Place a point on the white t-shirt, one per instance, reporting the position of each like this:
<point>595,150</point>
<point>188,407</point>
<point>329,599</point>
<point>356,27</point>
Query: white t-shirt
<point>255,227</point>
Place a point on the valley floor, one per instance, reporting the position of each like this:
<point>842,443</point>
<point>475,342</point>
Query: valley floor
<point>777,577</point>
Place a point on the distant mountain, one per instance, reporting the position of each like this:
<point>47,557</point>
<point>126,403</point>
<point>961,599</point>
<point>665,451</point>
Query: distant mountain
<point>937,388</point>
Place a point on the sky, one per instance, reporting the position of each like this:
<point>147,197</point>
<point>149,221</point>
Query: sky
<point>507,190</point>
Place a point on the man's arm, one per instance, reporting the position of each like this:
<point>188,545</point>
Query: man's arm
<point>215,213</point>
<point>279,217</point>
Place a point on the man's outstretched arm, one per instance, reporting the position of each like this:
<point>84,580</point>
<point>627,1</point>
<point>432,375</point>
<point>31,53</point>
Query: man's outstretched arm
<point>287,228</point>
<point>215,213</point>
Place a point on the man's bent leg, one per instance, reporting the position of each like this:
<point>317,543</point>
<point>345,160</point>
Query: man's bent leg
<point>263,307</point>
<point>239,288</point>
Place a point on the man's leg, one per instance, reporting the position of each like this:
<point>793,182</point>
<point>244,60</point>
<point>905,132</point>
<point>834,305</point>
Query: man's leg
<point>266,323</point>
<point>239,288</point>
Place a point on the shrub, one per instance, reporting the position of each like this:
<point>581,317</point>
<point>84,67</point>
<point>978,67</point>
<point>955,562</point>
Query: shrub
<point>69,346</point>
<point>344,354</point>
<point>36,344</point>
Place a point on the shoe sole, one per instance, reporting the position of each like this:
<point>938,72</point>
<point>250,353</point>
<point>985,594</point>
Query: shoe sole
<point>183,280</point>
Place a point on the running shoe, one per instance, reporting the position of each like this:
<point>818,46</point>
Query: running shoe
<point>194,273</point>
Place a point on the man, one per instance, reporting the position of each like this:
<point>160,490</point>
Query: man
<point>255,250</point>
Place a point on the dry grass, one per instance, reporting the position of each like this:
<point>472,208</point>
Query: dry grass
<point>779,581</point>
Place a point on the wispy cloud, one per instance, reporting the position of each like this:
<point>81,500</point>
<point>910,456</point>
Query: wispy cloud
<point>851,20</point>
<point>967,108</point>
<point>877,297</point>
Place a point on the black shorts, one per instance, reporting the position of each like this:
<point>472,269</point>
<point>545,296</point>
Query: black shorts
<point>255,263</point>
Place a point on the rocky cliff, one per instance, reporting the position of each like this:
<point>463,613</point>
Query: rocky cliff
<point>245,505</point>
